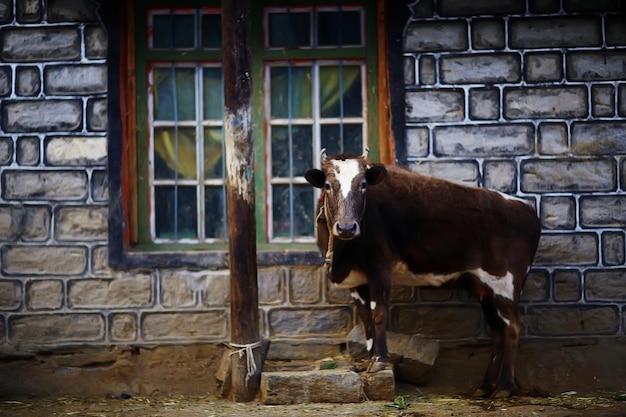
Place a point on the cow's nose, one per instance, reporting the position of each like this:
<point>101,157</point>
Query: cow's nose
<point>347,230</point>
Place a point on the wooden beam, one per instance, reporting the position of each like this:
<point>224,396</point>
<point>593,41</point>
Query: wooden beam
<point>238,112</point>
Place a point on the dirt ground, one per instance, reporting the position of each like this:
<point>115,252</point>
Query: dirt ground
<point>411,402</point>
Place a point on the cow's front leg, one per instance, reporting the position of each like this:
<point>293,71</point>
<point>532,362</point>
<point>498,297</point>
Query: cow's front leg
<point>379,307</point>
<point>361,296</point>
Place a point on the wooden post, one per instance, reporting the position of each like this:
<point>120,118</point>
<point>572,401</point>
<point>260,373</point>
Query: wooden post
<point>238,111</point>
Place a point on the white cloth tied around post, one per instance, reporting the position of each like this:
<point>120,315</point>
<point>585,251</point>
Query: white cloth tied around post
<point>247,350</point>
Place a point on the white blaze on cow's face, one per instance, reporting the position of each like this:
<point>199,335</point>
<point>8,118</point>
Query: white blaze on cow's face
<point>347,197</point>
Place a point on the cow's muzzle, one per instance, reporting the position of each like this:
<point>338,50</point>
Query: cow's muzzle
<point>347,230</point>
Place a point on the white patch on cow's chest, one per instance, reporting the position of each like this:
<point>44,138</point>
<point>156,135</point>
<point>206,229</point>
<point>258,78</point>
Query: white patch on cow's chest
<point>345,171</point>
<point>502,286</point>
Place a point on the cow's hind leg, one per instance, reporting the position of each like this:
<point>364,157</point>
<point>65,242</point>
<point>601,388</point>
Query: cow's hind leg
<point>361,296</point>
<point>504,321</point>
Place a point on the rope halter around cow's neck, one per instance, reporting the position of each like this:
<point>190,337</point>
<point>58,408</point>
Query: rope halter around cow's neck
<point>328,258</point>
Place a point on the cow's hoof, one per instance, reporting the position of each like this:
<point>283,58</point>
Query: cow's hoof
<point>377,367</point>
<point>501,393</point>
<point>480,393</point>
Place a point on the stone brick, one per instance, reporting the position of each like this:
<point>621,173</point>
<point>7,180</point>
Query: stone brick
<point>304,286</point>
<point>479,7</point>
<point>99,186</point>
<point>572,320</point>
<point>500,176</point>
<point>603,211</point>
<point>558,212</point>
<point>544,6</point>
<point>5,80</point>
<point>45,185</point>
<point>542,67</point>
<point>125,291</point>
<point>417,142</point>
<point>487,34</point>
<point>450,35</point>
<point>123,327</point>
<point>409,70</point>
<point>592,6</point>
<point>614,30</point>
<point>545,102</point>
<point>40,44</point>
<point>537,286</point>
<point>76,223</point>
<point>452,321</point>
<point>100,260</point>
<point>435,105</point>
<point>480,68</point>
<point>379,386</point>
<point>27,81</point>
<point>621,100</point>
<point>613,248</point>
<point>298,387</point>
<point>484,103</point>
<point>555,32</point>
<point>567,249</point>
<point>311,322</point>
<point>63,80</point>
<point>44,260</point>
<point>595,66</point>
<point>29,11</point>
<point>10,294</point>
<point>97,119</point>
<point>427,70</point>
<point>25,223</point>
<point>180,289</point>
<point>6,150</point>
<point>552,139</point>
<point>605,285</point>
<point>426,294</point>
<point>602,100</point>
<point>568,175</point>
<point>96,42</point>
<point>42,115</point>
<point>567,285</point>
<point>45,294</point>
<point>599,138</point>
<point>271,285</point>
<point>75,151</point>
<point>462,172</point>
<point>185,327</point>
<point>483,140</point>
<point>49,329</point>
<point>6,11</point>
<point>27,152</point>
<point>71,11</point>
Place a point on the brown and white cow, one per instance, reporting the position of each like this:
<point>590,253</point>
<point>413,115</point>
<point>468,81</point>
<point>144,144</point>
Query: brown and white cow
<point>375,221</point>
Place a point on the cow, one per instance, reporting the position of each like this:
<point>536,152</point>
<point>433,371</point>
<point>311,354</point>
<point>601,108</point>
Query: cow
<point>380,224</point>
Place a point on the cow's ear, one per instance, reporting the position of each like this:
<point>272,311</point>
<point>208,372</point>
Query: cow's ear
<point>315,177</point>
<point>375,174</point>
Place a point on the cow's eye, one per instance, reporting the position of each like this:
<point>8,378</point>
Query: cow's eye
<point>363,185</point>
<point>327,186</point>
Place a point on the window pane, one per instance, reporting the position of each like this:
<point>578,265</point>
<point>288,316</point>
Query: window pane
<point>213,158</point>
<point>339,28</point>
<point>212,93</point>
<point>302,211</point>
<point>301,92</point>
<point>352,141</point>
<point>165,148</point>
<point>214,200</point>
<point>301,139</point>
<point>175,213</point>
<point>173,31</point>
<point>289,29</point>
<point>340,91</point>
<point>165,108</point>
<point>211,31</point>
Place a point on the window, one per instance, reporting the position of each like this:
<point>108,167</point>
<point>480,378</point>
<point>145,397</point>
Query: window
<point>315,85</point>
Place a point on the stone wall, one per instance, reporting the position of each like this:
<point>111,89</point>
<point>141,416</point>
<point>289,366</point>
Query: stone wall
<point>530,101</point>
<point>526,102</point>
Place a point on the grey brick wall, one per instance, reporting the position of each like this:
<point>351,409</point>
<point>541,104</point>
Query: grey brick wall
<point>491,100</point>
<point>531,96</point>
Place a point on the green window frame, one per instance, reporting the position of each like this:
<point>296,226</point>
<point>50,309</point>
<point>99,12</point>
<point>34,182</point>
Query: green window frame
<point>154,184</point>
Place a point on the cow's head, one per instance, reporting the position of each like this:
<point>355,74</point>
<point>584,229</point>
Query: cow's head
<point>344,179</point>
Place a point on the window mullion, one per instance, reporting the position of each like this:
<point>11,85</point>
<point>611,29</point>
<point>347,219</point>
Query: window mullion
<point>200,206</point>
